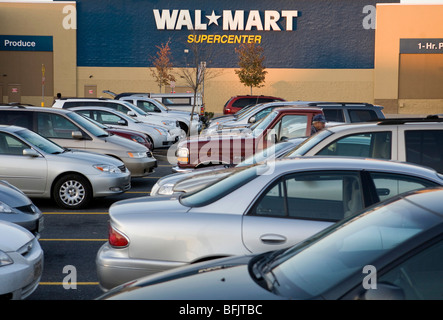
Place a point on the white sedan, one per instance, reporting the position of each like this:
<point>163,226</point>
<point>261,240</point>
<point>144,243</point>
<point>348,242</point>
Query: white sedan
<point>161,136</point>
<point>254,209</point>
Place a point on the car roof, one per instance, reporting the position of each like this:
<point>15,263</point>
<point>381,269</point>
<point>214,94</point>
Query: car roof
<point>34,108</point>
<point>10,128</point>
<point>354,163</point>
<point>381,124</point>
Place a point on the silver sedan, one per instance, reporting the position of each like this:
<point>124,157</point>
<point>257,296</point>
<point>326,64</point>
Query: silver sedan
<point>21,262</point>
<point>254,209</point>
<point>17,208</point>
<point>43,169</point>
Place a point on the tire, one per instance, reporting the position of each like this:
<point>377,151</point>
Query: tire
<point>184,127</point>
<point>72,191</point>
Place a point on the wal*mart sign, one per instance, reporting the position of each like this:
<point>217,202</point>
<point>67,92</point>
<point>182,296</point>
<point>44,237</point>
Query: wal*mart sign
<point>293,33</point>
<point>25,43</point>
<point>178,19</point>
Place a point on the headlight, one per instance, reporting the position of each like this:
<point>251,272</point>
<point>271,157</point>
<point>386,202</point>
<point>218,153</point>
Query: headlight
<point>162,131</point>
<point>182,154</point>
<point>137,139</point>
<point>5,259</point>
<point>4,208</point>
<point>137,155</point>
<point>167,188</point>
<point>107,168</point>
<point>169,123</point>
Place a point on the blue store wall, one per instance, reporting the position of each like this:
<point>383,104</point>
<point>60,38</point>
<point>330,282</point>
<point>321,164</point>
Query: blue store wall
<point>326,33</point>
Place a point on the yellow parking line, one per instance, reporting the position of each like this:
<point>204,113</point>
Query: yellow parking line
<point>73,283</point>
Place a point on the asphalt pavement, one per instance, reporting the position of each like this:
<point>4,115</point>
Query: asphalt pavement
<point>71,239</point>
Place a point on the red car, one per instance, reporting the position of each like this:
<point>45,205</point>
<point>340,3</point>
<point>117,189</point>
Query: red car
<point>236,103</point>
<point>233,147</point>
<point>133,135</point>
<point>136,136</point>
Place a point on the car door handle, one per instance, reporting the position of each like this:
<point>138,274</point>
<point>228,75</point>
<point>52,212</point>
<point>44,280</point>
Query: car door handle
<point>272,239</point>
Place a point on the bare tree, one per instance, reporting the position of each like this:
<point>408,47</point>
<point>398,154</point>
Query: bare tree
<point>163,66</point>
<point>252,71</point>
<point>196,72</point>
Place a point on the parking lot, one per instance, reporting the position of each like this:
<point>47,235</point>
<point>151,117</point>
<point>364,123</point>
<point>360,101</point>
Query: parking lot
<point>71,239</point>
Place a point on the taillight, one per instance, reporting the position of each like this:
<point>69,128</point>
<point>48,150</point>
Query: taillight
<point>116,238</point>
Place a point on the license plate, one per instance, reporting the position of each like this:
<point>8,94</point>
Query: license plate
<point>38,269</point>
<point>40,224</point>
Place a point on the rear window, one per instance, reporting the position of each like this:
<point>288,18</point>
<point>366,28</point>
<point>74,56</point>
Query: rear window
<point>425,147</point>
<point>335,115</point>
<point>362,115</point>
<point>16,118</point>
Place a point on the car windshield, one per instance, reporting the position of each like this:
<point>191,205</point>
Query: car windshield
<point>309,143</point>
<point>341,251</point>
<point>268,153</point>
<point>259,127</point>
<point>243,110</point>
<point>40,142</point>
<point>135,108</point>
<point>88,125</point>
<point>246,111</point>
<point>222,187</point>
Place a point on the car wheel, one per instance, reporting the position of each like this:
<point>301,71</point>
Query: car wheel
<point>72,192</point>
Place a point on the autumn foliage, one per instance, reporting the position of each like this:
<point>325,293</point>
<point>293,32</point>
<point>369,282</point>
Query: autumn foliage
<point>252,72</point>
<point>163,66</point>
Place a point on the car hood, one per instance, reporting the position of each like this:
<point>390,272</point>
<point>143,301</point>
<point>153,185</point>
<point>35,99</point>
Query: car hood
<point>230,130</point>
<point>184,114</point>
<point>89,157</point>
<point>126,144</point>
<point>234,135</point>
<point>12,196</point>
<point>13,237</point>
<point>221,279</point>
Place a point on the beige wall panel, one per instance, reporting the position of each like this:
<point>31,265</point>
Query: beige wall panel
<point>394,22</point>
<point>46,19</point>
<point>296,84</point>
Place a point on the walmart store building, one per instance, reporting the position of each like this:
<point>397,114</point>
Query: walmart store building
<point>383,52</point>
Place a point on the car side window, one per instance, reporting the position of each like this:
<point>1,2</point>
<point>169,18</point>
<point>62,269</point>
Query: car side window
<point>362,115</point>
<point>368,145</point>
<point>328,196</point>
<point>420,276</point>
<point>335,115</point>
<point>425,147</point>
<point>107,117</point>
<point>10,145</point>
<point>55,126</point>
<point>292,126</point>
<point>147,106</point>
<point>16,118</point>
<point>389,185</point>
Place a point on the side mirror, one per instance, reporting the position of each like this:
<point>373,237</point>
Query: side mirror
<point>30,153</point>
<point>131,113</point>
<point>272,137</point>
<point>384,291</point>
<point>251,120</point>
<point>122,122</point>
<point>77,135</point>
